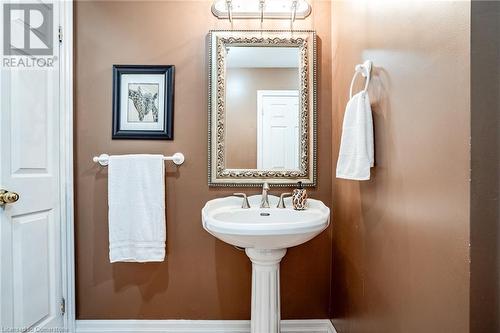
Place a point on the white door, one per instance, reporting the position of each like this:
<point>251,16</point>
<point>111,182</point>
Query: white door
<point>278,129</point>
<point>30,229</point>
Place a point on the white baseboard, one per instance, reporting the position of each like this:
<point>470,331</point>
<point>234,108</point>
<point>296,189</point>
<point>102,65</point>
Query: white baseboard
<point>197,326</point>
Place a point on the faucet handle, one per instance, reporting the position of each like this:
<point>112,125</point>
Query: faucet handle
<point>281,202</point>
<point>245,204</point>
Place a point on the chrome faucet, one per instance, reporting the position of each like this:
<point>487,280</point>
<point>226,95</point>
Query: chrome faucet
<point>245,204</point>
<point>264,201</point>
<point>281,202</point>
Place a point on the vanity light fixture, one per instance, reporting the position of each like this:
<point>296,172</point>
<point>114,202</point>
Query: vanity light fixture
<point>261,9</point>
<point>229,6</point>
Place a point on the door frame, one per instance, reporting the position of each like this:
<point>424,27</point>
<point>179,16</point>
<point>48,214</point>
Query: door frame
<point>66,161</point>
<point>260,96</point>
<point>65,103</point>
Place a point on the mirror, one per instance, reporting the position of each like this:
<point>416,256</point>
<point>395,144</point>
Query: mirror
<point>262,108</point>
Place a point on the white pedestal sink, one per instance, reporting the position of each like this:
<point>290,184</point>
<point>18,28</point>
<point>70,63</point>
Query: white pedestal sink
<point>265,233</point>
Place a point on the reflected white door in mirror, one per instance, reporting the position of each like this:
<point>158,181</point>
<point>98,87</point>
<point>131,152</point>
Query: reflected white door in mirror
<point>278,129</point>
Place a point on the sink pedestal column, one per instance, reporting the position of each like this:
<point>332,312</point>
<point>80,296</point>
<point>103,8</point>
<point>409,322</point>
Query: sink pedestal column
<point>265,289</point>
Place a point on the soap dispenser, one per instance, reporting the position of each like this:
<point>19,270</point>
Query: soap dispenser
<point>299,197</point>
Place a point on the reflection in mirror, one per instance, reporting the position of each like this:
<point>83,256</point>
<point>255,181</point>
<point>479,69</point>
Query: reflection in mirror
<point>262,108</point>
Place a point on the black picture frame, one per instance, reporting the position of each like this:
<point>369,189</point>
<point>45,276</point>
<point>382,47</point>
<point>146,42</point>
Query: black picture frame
<point>167,133</point>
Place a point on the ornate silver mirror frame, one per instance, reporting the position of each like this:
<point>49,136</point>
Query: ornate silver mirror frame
<point>219,41</point>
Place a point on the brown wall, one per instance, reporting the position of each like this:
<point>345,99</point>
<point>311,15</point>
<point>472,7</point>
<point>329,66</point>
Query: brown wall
<point>485,166</point>
<point>241,116</point>
<point>202,278</point>
<point>401,240</point>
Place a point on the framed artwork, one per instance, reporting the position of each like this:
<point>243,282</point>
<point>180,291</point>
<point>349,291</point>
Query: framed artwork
<point>143,102</point>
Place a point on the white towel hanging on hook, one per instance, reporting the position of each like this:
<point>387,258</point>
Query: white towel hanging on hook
<point>365,69</point>
<point>356,154</point>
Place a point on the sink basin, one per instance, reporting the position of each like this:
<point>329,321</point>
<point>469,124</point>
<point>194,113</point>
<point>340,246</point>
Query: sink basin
<point>265,233</point>
<point>264,228</point>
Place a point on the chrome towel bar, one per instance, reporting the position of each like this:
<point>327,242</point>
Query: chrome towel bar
<point>177,158</point>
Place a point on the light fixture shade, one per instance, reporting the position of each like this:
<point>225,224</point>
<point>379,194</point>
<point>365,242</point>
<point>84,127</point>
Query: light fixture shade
<point>278,9</point>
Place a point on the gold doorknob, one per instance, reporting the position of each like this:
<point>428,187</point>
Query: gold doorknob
<point>8,197</point>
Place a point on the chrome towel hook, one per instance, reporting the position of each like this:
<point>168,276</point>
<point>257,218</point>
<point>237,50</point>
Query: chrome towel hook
<point>365,69</point>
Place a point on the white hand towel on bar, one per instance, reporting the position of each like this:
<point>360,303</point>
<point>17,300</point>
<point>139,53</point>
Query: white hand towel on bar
<point>356,147</point>
<point>136,200</point>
